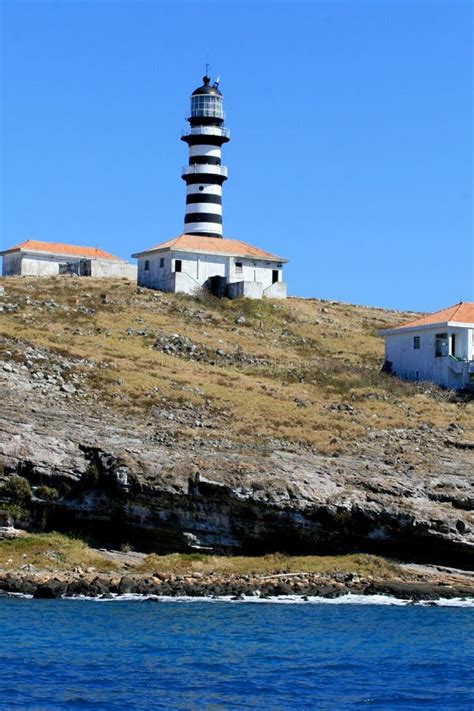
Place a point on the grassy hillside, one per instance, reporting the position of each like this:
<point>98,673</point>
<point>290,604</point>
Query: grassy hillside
<point>303,372</point>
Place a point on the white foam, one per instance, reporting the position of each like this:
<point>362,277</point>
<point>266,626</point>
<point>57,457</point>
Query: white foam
<point>349,599</point>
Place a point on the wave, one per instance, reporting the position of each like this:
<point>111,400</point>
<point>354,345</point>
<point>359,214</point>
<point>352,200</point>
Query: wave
<point>349,599</point>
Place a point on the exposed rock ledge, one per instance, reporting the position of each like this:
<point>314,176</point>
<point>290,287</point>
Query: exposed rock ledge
<point>124,480</point>
<point>428,586</point>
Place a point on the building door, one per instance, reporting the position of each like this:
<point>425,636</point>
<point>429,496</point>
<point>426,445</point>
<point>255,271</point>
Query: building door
<point>274,276</point>
<point>177,265</point>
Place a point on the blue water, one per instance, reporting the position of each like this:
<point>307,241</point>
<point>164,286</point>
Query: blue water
<point>79,654</point>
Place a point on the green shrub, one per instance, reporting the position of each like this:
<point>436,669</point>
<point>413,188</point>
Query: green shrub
<point>48,493</point>
<point>17,489</point>
<point>12,513</point>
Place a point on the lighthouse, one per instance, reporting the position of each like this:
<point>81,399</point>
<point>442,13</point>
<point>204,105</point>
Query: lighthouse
<point>204,175</point>
<point>201,257</point>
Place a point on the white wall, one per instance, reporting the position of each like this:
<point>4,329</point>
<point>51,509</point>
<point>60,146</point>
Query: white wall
<point>113,270</point>
<point>422,364</point>
<point>249,289</point>
<point>253,270</point>
<point>195,270</point>
<point>276,291</point>
<point>42,266</point>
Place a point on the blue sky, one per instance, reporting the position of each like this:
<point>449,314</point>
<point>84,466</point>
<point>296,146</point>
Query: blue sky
<point>351,150</point>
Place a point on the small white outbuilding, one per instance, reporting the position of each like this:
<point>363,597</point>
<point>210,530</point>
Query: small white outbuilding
<point>438,347</point>
<point>36,258</point>
<point>227,267</point>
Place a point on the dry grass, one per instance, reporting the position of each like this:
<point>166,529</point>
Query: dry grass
<point>182,564</point>
<point>317,355</point>
<point>50,551</point>
<point>57,552</point>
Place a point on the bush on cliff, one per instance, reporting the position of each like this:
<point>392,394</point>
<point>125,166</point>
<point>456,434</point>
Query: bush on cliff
<point>17,489</point>
<point>47,493</point>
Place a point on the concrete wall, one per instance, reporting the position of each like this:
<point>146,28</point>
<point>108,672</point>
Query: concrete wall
<point>113,270</point>
<point>422,364</point>
<point>42,266</point>
<point>248,289</point>
<point>276,291</point>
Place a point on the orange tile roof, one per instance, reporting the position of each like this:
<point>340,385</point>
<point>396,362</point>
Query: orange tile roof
<point>459,313</point>
<point>68,250</point>
<point>213,245</point>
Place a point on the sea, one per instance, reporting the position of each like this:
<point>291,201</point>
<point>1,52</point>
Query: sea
<point>135,653</point>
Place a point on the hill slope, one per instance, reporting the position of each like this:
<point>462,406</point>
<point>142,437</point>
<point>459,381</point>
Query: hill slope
<point>241,426</point>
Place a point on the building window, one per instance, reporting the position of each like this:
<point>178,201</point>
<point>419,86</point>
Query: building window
<point>441,345</point>
<point>238,267</point>
<point>147,265</point>
<point>275,276</point>
<point>177,265</point>
<point>453,345</point>
<point>162,262</point>
<point>416,342</point>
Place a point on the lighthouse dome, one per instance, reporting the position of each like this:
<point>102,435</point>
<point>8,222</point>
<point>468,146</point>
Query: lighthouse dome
<point>206,88</point>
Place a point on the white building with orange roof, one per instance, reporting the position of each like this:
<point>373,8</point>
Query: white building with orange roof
<point>438,347</point>
<point>202,257</point>
<point>35,258</point>
<point>224,266</point>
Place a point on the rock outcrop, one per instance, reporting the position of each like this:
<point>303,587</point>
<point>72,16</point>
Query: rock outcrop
<point>137,480</point>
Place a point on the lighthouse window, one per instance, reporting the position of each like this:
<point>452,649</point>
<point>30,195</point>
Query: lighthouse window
<point>162,262</point>
<point>238,267</point>
<point>205,105</point>
<point>201,187</point>
<point>177,265</point>
<point>147,265</point>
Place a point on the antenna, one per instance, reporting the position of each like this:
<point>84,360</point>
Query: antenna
<point>207,69</point>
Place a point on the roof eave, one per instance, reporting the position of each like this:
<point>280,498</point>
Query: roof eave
<point>41,253</point>
<point>175,248</point>
<point>10,251</point>
<point>424,327</point>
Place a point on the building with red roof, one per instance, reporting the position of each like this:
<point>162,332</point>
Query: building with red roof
<point>224,266</point>
<point>36,258</point>
<point>437,347</point>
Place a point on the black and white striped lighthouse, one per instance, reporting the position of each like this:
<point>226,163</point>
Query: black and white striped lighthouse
<point>204,175</point>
